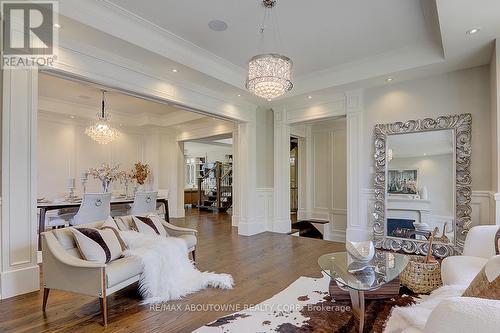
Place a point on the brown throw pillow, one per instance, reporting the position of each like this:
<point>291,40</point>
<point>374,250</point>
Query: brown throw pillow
<point>486,284</point>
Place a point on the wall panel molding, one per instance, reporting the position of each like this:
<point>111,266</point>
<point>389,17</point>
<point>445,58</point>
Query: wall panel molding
<point>19,272</point>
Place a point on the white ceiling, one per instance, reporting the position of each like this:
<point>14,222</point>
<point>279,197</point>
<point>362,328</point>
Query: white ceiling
<point>317,35</point>
<point>333,43</point>
<point>79,100</point>
<point>89,95</point>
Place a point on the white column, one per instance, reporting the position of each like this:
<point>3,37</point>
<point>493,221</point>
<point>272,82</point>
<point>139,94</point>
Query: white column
<point>302,180</point>
<point>309,172</point>
<point>358,228</point>
<point>495,102</point>
<point>171,172</point>
<point>235,217</point>
<point>282,222</point>
<point>19,272</point>
<point>246,193</point>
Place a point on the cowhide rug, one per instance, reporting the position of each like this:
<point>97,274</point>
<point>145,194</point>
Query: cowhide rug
<point>305,306</point>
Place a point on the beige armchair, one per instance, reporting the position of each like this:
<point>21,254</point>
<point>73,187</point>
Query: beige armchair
<point>64,268</point>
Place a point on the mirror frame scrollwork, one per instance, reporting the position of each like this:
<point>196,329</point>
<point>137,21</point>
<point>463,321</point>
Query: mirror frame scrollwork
<point>461,125</point>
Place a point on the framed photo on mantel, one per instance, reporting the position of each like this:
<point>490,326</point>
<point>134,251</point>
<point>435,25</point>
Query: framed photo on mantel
<point>402,181</point>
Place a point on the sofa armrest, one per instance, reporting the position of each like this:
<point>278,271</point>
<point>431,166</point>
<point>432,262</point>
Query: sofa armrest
<point>50,243</point>
<point>176,231</point>
<point>480,241</point>
<point>464,314</point>
<point>63,271</point>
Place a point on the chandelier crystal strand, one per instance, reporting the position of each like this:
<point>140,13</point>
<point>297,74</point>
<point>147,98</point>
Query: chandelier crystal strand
<point>102,132</point>
<point>269,75</point>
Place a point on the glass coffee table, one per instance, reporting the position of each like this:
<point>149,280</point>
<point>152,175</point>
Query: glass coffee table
<point>357,277</point>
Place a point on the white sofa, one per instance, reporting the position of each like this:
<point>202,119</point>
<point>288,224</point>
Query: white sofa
<point>64,268</point>
<point>478,248</point>
<point>445,311</point>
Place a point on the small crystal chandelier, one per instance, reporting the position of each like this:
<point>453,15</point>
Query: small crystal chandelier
<point>269,75</point>
<point>102,131</point>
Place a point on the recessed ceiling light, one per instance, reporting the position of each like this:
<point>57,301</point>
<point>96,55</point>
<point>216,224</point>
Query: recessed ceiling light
<point>72,117</point>
<point>309,97</point>
<point>473,31</point>
<point>239,95</point>
<point>57,26</point>
<point>389,79</point>
<point>217,25</point>
<point>269,100</point>
<point>174,70</point>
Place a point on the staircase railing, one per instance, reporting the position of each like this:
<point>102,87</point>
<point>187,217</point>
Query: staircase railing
<point>215,187</point>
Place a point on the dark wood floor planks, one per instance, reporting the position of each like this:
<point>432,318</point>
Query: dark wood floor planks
<point>262,265</point>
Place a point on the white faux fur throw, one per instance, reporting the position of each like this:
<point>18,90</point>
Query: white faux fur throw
<point>413,318</point>
<point>168,274</point>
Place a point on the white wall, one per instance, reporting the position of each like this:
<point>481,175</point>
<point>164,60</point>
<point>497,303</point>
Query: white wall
<point>64,151</point>
<point>434,172</point>
<point>212,152</point>
<point>464,91</point>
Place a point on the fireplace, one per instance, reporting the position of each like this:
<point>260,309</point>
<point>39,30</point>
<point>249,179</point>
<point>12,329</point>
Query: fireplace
<point>398,227</point>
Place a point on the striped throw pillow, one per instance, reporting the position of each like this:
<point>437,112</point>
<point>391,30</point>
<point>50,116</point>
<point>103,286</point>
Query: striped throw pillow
<point>97,245</point>
<point>148,225</point>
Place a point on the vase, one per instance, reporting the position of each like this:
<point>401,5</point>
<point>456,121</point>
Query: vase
<point>105,186</point>
<point>361,251</point>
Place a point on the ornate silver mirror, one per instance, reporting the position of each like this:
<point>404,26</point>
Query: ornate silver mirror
<point>423,184</point>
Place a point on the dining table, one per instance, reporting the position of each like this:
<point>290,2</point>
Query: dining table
<point>45,206</point>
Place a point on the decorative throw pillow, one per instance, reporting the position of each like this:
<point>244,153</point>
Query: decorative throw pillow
<point>158,221</point>
<point>486,284</point>
<point>110,224</point>
<point>150,226</point>
<point>98,245</point>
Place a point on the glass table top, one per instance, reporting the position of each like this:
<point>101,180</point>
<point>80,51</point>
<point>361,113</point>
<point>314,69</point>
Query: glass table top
<point>345,270</point>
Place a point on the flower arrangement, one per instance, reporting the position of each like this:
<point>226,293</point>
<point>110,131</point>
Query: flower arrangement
<point>106,175</point>
<point>140,173</point>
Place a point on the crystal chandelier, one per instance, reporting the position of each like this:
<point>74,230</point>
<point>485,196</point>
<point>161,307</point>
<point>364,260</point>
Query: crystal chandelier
<point>269,75</point>
<point>102,132</point>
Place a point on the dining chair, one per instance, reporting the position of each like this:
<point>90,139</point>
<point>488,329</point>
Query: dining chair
<point>59,218</point>
<point>160,207</point>
<point>95,207</point>
<point>144,203</point>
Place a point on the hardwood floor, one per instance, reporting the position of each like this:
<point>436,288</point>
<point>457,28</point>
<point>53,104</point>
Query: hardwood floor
<point>261,265</point>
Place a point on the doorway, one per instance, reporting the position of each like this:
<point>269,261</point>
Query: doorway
<point>294,175</point>
<point>209,173</point>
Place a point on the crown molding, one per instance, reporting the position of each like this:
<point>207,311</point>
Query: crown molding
<point>111,18</point>
<point>86,113</point>
<point>97,65</point>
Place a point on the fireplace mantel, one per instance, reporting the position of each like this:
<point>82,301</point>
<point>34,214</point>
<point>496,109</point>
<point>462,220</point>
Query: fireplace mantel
<point>401,203</point>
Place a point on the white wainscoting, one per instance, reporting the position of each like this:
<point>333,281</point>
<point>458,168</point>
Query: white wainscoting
<point>265,207</point>
<point>482,204</point>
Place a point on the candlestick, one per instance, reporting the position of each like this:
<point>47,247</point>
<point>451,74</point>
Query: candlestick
<point>71,182</point>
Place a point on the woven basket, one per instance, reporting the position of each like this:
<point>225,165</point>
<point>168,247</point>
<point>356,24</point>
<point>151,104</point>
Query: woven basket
<point>421,278</point>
